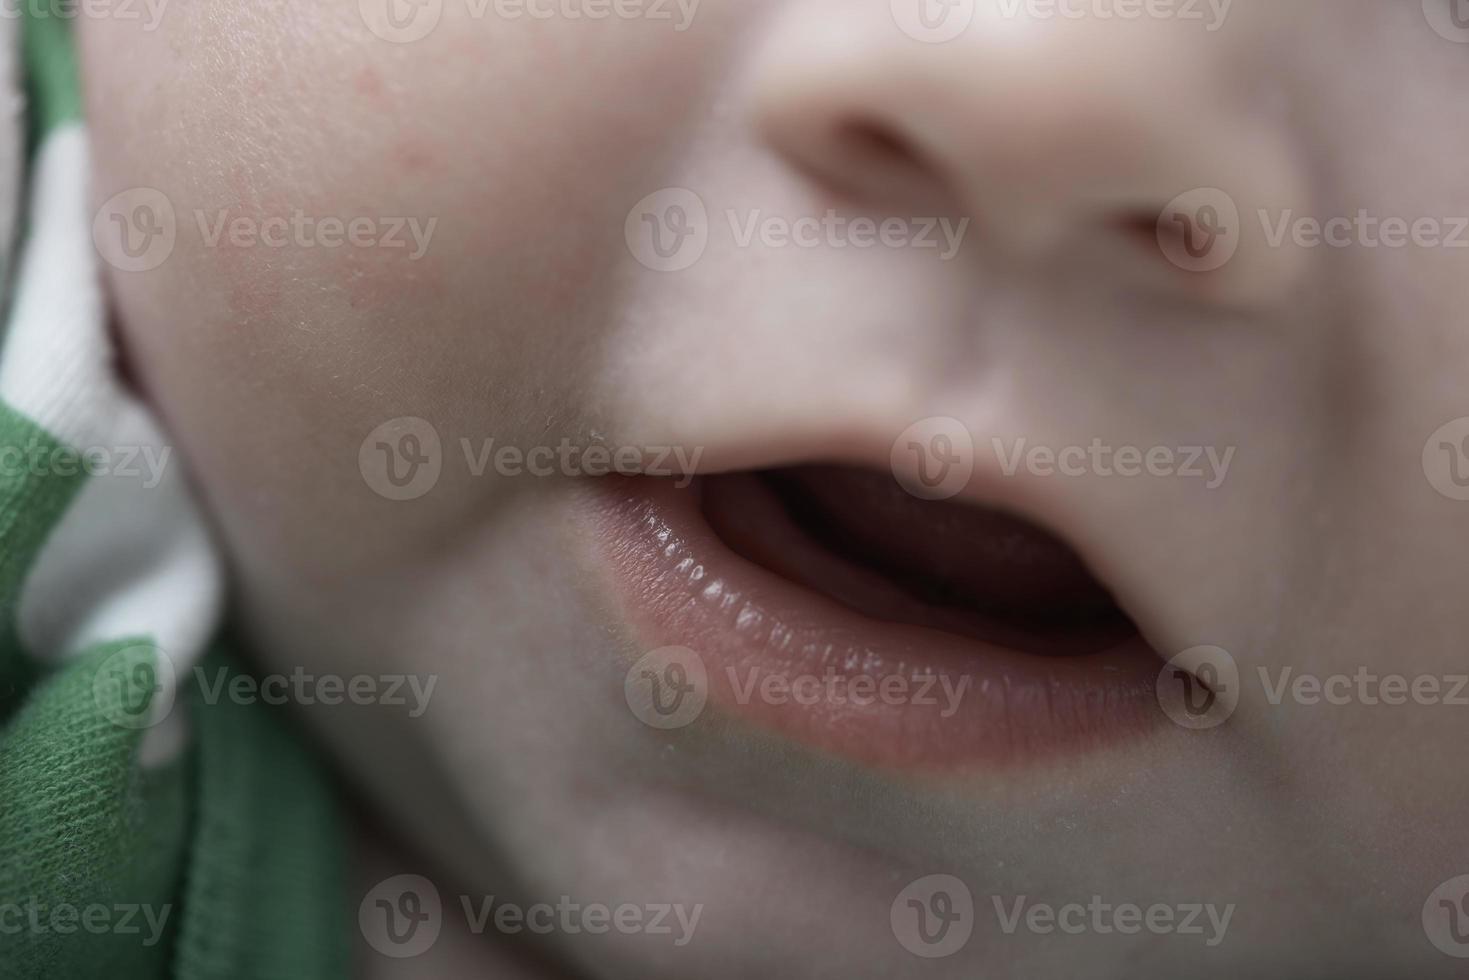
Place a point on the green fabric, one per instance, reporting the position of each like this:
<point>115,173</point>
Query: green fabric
<point>77,818</point>
<point>30,505</point>
<point>228,863</point>
<point>53,93</point>
<point>266,890</point>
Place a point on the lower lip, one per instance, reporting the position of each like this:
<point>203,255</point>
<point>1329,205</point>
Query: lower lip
<point>791,661</point>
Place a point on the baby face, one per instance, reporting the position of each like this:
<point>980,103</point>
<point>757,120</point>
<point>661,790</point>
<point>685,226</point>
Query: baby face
<point>1019,349</point>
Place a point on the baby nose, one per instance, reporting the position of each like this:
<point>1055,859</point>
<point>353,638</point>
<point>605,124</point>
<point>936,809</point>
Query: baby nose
<point>1050,130</point>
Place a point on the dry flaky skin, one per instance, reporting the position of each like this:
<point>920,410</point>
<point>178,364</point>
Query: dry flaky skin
<point>529,319</point>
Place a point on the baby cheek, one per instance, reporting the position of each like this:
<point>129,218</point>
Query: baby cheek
<point>411,155</point>
<point>369,283</point>
<point>277,256</point>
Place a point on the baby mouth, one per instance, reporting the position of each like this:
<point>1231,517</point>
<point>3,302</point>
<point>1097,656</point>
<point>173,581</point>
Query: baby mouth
<point>827,606</point>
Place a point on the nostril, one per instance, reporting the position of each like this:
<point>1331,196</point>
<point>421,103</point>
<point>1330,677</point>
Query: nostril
<point>1142,229</point>
<point>1153,237</point>
<point>880,145</point>
<point>1139,227</point>
<point>878,164</point>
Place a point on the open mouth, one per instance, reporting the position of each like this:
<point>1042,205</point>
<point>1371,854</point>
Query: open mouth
<point>856,536</point>
<point>828,605</point>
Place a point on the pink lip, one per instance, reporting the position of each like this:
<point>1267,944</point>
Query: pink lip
<point>785,659</point>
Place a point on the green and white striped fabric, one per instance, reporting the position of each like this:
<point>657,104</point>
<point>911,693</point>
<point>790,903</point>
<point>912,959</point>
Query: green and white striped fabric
<point>145,829</point>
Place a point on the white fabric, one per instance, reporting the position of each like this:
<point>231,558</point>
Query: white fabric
<point>56,364</point>
<point>131,557</point>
